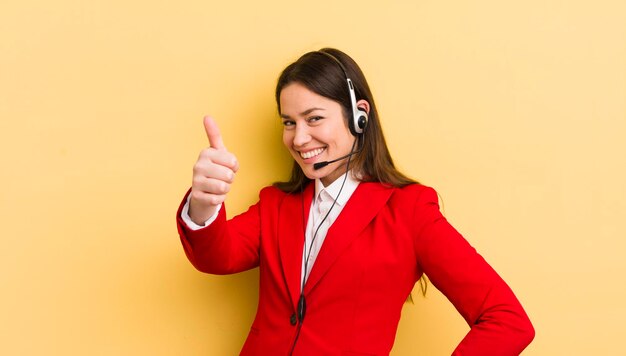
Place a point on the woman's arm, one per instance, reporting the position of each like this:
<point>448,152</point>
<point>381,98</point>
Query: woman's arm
<point>223,247</point>
<point>499,325</point>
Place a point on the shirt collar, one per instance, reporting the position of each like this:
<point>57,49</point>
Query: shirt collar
<point>333,189</point>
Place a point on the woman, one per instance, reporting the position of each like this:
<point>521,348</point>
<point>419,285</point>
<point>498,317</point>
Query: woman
<point>342,243</point>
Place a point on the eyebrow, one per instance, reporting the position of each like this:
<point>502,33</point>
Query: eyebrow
<point>304,113</point>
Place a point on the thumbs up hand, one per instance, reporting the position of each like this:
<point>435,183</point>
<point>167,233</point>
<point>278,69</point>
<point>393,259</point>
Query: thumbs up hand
<point>213,174</point>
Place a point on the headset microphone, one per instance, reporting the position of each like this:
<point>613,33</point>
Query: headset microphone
<point>323,164</point>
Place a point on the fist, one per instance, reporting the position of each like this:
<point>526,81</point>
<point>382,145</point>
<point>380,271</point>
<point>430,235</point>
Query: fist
<point>213,174</point>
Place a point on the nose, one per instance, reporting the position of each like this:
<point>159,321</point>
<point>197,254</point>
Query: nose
<point>301,136</point>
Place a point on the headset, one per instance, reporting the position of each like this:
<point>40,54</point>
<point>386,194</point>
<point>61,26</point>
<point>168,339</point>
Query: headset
<point>359,116</point>
<point>357,125</point>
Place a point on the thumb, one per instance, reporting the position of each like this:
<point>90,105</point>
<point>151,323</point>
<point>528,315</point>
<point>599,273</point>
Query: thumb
<point>213,133</point>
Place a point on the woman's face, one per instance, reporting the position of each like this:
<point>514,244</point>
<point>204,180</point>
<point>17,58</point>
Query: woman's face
<point>314,130</point>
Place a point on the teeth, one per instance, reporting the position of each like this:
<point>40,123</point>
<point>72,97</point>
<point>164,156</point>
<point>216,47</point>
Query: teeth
<point>310,154</point>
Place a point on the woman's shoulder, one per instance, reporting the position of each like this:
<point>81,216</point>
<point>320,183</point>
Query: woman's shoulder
<point>273,192</point>
<point>270,192</point>
<point>416,192</point>
<point>417,188</point>
<point>406,190</point>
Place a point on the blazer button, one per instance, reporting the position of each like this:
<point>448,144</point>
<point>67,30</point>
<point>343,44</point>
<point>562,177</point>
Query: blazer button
<point>293,320</point>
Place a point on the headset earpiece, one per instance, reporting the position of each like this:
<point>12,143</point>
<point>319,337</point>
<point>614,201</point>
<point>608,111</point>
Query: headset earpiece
<point>361,120</point>
<point>358,122</point>
<point>359,116</point>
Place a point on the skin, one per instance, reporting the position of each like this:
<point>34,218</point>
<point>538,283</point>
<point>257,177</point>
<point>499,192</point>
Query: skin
<point>312,125</point>
<point>315,125</point>
<point>213,173</point>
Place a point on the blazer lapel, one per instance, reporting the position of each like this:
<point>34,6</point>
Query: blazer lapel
<point>361,208</point>
<point>294,209</point>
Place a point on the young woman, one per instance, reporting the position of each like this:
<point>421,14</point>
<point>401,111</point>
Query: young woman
<point>342,243</point>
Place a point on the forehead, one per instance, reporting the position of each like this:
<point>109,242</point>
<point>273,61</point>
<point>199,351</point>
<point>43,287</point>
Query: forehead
<point>295,98</point>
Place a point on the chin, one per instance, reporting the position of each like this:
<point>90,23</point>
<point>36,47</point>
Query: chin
<point>313,174</point>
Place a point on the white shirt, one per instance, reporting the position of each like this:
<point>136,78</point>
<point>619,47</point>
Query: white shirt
<point>322,202</point>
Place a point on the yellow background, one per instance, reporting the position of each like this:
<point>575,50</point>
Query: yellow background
<point>514,111</point>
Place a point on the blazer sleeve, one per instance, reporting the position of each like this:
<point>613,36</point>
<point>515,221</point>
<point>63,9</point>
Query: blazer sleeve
<point>499,325</point>
<point>223,247</point>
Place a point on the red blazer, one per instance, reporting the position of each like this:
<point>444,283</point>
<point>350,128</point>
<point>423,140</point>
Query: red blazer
<point>375,251</point>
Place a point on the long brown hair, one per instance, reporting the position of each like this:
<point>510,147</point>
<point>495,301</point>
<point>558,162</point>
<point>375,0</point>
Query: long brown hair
<point>320,73</point>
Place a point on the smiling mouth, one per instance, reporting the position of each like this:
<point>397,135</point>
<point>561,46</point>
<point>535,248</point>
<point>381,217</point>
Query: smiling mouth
<point>312,153</point>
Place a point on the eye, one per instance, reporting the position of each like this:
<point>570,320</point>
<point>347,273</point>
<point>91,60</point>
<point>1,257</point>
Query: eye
<point>314,119</point>
<point>288,123</point>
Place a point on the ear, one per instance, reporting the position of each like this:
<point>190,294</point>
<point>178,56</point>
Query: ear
<point>363,105</point>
